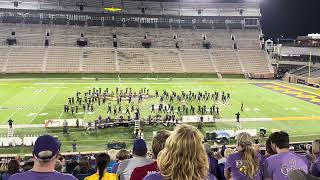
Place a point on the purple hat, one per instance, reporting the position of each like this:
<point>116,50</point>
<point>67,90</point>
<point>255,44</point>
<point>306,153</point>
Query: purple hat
<point>139,145</point>
<point>45,148</point>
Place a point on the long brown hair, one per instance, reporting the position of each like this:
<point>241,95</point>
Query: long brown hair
<point>102,160</point>
<point>250,159</point>
<point>184,156</point>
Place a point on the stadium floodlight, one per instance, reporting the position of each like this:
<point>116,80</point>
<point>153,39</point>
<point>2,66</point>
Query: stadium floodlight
<point>112,9</point>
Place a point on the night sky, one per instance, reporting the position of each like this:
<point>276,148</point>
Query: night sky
<point>290,18</point>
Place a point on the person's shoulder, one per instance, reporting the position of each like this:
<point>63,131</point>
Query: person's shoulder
<point>65,176</point>
<point>19,176</point>
<point>235,155</point>
<point>154,176</point>
<point>211,177</point>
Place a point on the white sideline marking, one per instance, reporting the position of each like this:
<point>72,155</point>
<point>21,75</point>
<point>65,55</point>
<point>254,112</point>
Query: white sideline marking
<point>43,114</point>
<point>31,114</point>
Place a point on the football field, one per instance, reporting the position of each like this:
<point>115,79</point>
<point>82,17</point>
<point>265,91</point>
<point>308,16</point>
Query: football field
<point>292,108</point>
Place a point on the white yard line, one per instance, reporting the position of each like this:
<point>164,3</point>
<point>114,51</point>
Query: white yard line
<point>44,106</point>
<point>25,102</point>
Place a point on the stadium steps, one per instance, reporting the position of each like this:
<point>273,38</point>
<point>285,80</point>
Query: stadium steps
<point>242,66</point>
<point>7,55</point>
<point>212,62</point>
<point>181,62</point>
<point>116,60</point>
<point>45,59</point>
<point>3,57</point>
<point>10,132</point>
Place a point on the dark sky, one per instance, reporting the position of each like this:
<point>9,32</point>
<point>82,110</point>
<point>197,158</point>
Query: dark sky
<point>290,18</point>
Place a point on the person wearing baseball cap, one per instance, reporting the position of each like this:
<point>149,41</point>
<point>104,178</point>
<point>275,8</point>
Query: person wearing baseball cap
<point>139,159</point>
<point>45,154</point>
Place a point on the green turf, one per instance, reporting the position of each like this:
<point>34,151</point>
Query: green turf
<point>32,101</point>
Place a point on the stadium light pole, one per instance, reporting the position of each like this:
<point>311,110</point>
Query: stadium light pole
<point>310,57</point>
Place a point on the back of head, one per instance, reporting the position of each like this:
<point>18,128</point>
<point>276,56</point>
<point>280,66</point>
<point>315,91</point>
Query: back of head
<point>123,154</point>
<point>280,139</point>
<point>113,154</point>
<point>208,149</point>
<point>298,174</point>
<point>269,149</point>
<point>58,166</point>
<point>184,156</point>
<point>102,160</point>
<point>45,151</point>
<point>13,166</point>
<point>249,156</point>
<point>159,141</point>
<point>140,148</point>
<point>316,148</point>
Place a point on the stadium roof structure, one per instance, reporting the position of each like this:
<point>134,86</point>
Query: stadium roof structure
<point>160,7</point>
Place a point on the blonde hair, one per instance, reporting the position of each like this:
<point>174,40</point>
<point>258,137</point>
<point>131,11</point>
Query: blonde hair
<point>249,156</point>
<point>315,148</point>
<point>227,152</point>
<point>184,156</point>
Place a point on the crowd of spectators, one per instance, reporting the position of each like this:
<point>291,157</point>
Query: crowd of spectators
<point>177,155</point>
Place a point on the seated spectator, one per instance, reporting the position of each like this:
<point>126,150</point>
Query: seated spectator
<point>83,167</point>
<point>113,159</point>
<point>300,175</point>
<point>279,165</point>
<point>139,159</point>
<point>13,168</point>
<point>183,157</point>
<point>269,152</point>
<point>45,154</point>
<point>315,166</point>
<point>121,156</point>
<point>102,161</point>
<point>213,162</point>
<point>157,145</point>
<point>58,166</point>
<point>244,164</point>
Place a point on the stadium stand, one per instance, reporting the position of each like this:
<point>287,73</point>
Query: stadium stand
<point>60,60</point>
<point>254,61</point>
<point>197,61</point>
<point>98,60</point>
<point>227,62</point>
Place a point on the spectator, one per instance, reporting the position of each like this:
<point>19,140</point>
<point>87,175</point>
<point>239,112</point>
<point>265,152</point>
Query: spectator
<point>83,167</point>
<point>213,162</point>
<point>183,157</point>
<point>45,154</point>
<point>121,156</point>
<point>244,164</point>
<point>113,159</point>
<point>269,152</point>
<point>315,166</point>
<point>13,167</point>
<point>139,159</point>
<point>157,145</point>
<point>58,166</point>
<point>300,175</point>
<point>102,161</point>
<point>279,165</point>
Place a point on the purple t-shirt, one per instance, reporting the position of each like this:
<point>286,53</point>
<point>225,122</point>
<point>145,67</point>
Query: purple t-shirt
<point>279,165</point>
<point>31,175</point>
<point>235,165</point>
<point>158,176</point>
<point>315,168</point>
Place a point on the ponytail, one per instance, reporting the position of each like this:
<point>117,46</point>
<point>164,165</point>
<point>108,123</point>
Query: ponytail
<point>101,172</point>
<point>102,160</point>
<point>250,162</point>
